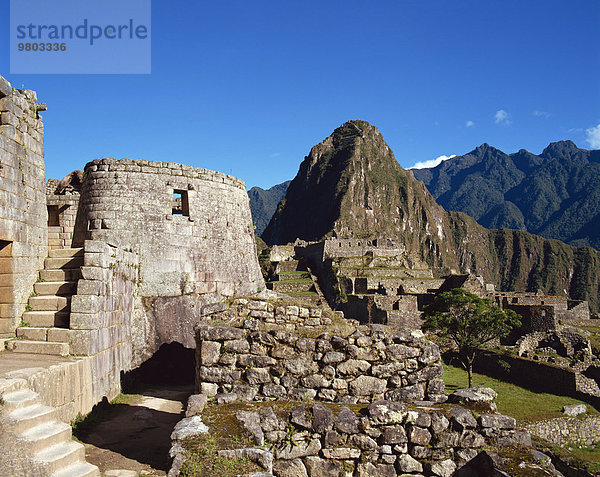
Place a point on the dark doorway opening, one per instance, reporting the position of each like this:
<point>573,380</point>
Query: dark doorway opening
<point>172,364</point>
<point>53,216</point>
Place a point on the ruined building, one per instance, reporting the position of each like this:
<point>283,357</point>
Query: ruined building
<point>112,262</point>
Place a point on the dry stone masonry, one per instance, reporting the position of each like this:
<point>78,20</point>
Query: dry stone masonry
<point>101,313</point>
<point>191,227</point>
<point>383,438</point>
<point>583,431</point>
<point>370,364</point>
<point>23,231</point>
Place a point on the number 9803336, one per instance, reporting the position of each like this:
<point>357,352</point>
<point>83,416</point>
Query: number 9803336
<point>42,46</point>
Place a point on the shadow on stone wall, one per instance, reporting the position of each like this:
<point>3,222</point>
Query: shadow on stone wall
<point>172,364</point>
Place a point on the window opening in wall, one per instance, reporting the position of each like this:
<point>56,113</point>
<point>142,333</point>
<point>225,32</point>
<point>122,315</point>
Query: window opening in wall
<point>53,216</point>
<point>180,203</point>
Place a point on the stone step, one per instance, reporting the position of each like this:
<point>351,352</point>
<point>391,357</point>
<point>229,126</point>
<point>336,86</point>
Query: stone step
<point>32,333</point>
<point>11,385</point>
<point>39,347</point>
<point>80,469</point>
<point>47,319</point>
<point>60,275</point>
<point>65,252</point>
<point>289,266</point>
<point>293,275</point>
<point>19,399</point>
<point>312,299</point>
<point>63,263</point>
<point>60,288</point>
<point>49,303</point>
<point>293,286</point>
<point>62,455</point>
<point>28,417</point>
<point>56,335</point>
<point>47,435</point>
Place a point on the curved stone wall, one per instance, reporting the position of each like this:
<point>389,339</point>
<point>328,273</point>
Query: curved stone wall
<point>191,227</point>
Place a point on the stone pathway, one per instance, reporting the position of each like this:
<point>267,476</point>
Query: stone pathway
<point>135,437</point>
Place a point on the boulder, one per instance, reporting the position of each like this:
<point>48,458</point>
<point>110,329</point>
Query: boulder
<point>574,409</point>
<point>195,404</point>
<point>497,421</point>
<point>386,412</point>
<point>290,468</point>
<point>367,385</point>
<point>405,463</point>
<point>462,418</point>
<point>445,468</point>
<point>346,421</point>
<point>250,422</point>
<point>322,418</point>
<point>318,467</point>
<point>188,427</point>
<point>479,398</point>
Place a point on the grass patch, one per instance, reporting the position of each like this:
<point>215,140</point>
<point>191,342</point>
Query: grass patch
<point>520,403</point>
<point>586,458</point>
<point>589,455</point>
<point>293,280</point>
<point>202,460</point>
<point>225,433</point>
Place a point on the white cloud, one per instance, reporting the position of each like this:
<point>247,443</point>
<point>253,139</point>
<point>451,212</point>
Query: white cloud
<point>432,162</point>
<point>593,137</point>
<point>541,114</point>
<point>469,124</point>
<point>502,117</point>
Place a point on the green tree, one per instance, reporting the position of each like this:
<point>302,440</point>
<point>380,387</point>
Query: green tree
<point>468,322</point>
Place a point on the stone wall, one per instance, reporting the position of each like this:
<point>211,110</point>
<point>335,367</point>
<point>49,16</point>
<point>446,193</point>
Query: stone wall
<point>382,439</point>
<point>191,227</point>
<point>290,317</point>
<point>534,318</point>
<point>568,430</point>
<point>335,248</point>
<point>23,232</point>
<point>541,376</point>
<point>102,311</point>
<point>368,365</point>
<point>577,310</point>
<point>64,230</point>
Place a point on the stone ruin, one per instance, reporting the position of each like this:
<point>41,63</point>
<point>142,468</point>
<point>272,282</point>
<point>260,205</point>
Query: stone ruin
<point>113,261</point>
<point>376,281</point>
<point>365,401</point>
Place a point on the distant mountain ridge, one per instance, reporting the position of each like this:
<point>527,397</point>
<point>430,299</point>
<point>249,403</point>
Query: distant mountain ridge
<point>263,204</point>
<point>350,185</point>
<point>555,194</point>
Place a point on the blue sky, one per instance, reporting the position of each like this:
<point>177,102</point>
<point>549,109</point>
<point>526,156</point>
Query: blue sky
<point>248,88</point>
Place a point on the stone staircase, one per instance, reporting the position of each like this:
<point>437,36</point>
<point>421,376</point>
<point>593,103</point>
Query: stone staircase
<point>46,439</point>
<point>294,279</point>
<point>46,323</point>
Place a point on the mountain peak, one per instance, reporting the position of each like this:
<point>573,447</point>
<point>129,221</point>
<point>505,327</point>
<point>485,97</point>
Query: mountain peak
<point>340,183</point>
<point>559,148</point>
